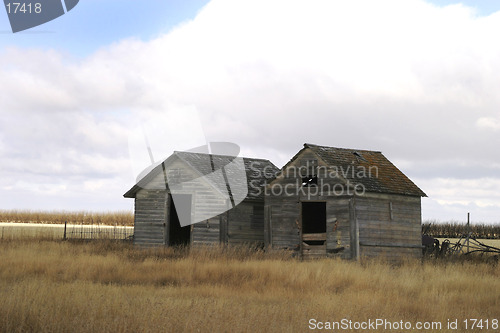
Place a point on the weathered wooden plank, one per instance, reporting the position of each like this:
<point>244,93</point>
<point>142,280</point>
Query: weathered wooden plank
<point>314,237</point>
<point>368,228</point>
<point>402,245</point>
<point>149,221</point>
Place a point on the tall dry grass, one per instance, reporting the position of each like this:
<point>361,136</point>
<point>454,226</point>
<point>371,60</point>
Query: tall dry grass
<point>48,286</point>
<point>118,218</point>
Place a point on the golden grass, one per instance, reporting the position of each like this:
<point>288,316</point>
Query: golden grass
<point>49,286</point>
<point>119,218</point>
<point>28,230</point>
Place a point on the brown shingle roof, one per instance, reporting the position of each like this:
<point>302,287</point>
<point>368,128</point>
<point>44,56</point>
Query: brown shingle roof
<point>381,175</point>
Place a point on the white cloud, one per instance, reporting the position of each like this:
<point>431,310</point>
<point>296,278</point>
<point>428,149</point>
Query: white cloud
<point>488,123</point>
<point>481,191</point>
<point>452,198</point>
<point>414,80</point>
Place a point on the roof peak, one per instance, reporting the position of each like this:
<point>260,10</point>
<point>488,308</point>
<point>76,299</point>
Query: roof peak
<point>220,155</point>
<point>311,145</point>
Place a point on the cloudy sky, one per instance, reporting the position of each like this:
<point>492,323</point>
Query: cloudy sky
<point>416,79</point>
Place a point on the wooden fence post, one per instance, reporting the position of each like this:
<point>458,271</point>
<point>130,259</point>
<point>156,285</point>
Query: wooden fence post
<point>468,231</point>
<point>65,223</point>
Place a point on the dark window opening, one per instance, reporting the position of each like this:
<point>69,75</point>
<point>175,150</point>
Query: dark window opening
<point>178,235</point>
<point>313,217</point>
<point>311,177</point>
<point>310,181</point>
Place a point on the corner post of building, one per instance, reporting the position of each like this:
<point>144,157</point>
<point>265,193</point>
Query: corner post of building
<point>166,219</point>
<point>354,229</point>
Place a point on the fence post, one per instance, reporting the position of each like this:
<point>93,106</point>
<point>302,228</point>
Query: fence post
<point>468,231</point>
<point>65,223</point>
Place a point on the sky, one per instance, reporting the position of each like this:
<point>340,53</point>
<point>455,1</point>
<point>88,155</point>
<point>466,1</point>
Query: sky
<point>417,80</point>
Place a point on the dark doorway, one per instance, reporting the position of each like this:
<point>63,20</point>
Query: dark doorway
<point>178,235</point>
<point>313,230</point>
<point>313,217</point>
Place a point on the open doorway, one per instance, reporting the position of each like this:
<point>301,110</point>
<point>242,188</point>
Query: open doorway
<point>313,217</point>
<point>178,235</point>
<point>313,229</point>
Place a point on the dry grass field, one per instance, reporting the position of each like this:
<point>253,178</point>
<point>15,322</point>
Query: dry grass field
<point>55,286</point>
<point>117,218</point>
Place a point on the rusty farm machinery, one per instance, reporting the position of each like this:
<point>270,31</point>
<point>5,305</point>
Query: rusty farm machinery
<point>465,245</point>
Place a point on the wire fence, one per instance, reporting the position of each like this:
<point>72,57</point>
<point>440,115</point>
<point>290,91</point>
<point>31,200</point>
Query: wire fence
<point>90,232</point>
<point>65,231</point>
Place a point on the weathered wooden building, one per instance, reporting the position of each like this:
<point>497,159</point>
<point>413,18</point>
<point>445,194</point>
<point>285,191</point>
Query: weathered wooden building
<point>206,187</point>
<point>342,202</point>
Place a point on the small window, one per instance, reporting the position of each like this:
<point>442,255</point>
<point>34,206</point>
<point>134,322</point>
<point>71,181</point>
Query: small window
<point>309,181</point>
<point>309,172</point>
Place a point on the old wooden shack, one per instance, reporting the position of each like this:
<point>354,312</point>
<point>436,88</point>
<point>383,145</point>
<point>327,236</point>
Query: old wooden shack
<point>206,189</point>
<point>350,203</point>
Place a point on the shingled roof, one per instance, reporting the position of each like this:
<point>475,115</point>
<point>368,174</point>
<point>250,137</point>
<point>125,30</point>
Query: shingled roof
<point>258,171</point>
<point>388,178</point>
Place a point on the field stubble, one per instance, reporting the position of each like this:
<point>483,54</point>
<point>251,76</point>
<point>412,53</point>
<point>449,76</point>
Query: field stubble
<point>116,218</point>
<point>54,286</point>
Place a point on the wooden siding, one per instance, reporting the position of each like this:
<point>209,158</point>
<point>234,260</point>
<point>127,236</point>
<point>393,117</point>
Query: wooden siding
<point>338,234</point>
<point>246,223</point>
<point>389,225</point>
<point>283,225</point>
<point>283,222</point>
<point>149,221</point>
<point>206,232</point>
